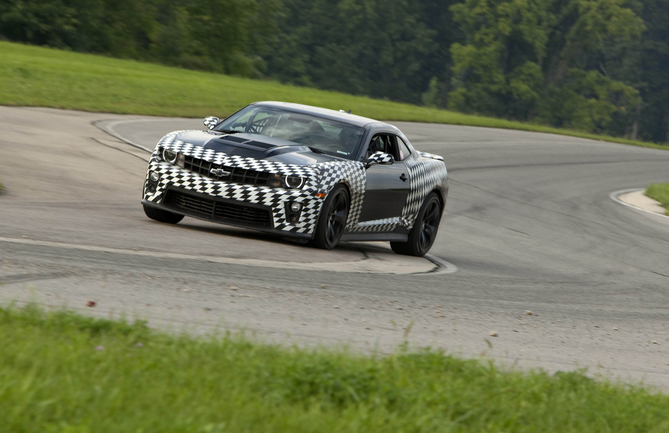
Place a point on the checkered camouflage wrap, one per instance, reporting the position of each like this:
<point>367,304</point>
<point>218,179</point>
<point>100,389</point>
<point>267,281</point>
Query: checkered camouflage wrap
<point>430,156</point>
<point>210,122</point>
<point>425,173</point>
<point>381,158</point>
<point>319,178</point>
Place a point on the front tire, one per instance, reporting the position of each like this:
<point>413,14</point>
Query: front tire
<point>424,230</point>
<point>332,222</point>
<point>162,215</point>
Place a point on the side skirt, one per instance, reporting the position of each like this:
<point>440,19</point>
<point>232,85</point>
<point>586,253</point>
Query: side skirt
<point>393,237</point>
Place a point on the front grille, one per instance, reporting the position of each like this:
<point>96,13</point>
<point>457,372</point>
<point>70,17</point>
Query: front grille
<point>191,202</point>
<point>236,175</point>
<point>218,210</point>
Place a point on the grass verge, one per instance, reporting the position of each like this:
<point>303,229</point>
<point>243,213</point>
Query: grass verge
<point>35,76</point>
<point>660,192</point>
<point>61,372</point>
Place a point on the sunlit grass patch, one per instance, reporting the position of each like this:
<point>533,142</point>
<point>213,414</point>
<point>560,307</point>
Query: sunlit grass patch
<point>62,372</point>
<point>659,192</point>
<point>35,76</point>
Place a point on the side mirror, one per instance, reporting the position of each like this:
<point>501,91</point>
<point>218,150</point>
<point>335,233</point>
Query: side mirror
<point>379,158</point>
<point>211,121</point>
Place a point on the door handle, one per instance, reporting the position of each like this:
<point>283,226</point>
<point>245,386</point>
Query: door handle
<point>403,177</point>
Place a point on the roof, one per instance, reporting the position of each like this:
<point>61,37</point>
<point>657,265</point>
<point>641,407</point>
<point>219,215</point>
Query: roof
<point>326,113</point>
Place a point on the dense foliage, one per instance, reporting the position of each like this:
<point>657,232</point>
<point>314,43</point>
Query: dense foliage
<point>591,65</point>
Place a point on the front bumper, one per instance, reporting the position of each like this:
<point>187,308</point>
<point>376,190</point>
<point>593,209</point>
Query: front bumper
<point>258,207</point>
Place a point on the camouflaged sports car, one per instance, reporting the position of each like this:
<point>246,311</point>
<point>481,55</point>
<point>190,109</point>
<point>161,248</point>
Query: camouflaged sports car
<point>303,172</point>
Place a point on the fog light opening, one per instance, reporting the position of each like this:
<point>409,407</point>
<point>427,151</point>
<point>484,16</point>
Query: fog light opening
<point>154,176</point>
<point>293,211</point>
<point>296,206</point>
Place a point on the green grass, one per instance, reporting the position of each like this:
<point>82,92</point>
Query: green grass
<point>65,373</point>
<point>660,192</point>
<point>35,76</point>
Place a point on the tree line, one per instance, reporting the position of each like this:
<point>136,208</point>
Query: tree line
<point>592,65</point>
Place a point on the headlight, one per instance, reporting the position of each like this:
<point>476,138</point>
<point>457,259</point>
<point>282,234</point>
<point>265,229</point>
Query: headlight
<point>170,156</point>
<point>292,181</point>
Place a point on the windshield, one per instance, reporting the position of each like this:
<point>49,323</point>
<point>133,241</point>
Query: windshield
<point>321,135</point>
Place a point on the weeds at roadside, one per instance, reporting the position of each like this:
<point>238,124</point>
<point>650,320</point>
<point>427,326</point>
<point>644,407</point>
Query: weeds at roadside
<point>659,192</point>
<point>64,372</point>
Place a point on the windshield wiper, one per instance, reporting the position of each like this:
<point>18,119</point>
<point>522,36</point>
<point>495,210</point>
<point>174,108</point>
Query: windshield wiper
<point>228,131</point>
<point>315,149</point>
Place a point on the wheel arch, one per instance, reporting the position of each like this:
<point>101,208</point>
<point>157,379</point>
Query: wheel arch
<point>348,191</point>
<point>319,238</point>
<point>346,185</point>
<point>441,196</point>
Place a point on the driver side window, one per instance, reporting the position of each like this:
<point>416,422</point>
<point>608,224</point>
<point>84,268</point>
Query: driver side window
<point>380,143</point>
<point>386,143</point>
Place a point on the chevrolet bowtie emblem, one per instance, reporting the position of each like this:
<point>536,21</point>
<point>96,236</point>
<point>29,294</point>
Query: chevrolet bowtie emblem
<point>219,172</point>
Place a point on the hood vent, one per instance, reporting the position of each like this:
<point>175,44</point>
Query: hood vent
<point>248,142</point>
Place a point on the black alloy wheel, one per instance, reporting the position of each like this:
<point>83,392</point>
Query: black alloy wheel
<point>430,225</point>
<point>424,231</point>
<point>162,215</point>
<point>332,221</point>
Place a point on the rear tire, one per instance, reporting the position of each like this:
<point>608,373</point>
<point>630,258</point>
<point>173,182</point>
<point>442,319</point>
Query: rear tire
<point>332,222</point>
<point>162,215</point>
<point>424,231</point>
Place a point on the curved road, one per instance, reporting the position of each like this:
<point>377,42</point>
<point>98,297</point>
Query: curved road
<point>529,225</point>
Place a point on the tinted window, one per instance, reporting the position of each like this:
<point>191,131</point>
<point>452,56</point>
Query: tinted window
<point>390,144</point>
<point>403,149</point>
<point>325,135</point>
<point>380,143</point>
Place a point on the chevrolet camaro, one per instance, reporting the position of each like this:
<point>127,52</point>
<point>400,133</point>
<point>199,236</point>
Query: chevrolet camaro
<point>302,172</point>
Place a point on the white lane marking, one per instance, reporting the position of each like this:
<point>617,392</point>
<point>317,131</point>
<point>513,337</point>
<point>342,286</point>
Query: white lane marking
<point>108,127</point>
<point>382,265</point>
<point>443,267</point>
<point>119,149</point>
<point>614,196</point>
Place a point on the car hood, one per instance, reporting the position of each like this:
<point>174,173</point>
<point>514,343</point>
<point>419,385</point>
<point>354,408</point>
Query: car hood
<point>255,146</point>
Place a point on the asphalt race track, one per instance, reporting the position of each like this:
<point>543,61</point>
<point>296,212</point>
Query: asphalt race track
<point>529,225</point>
